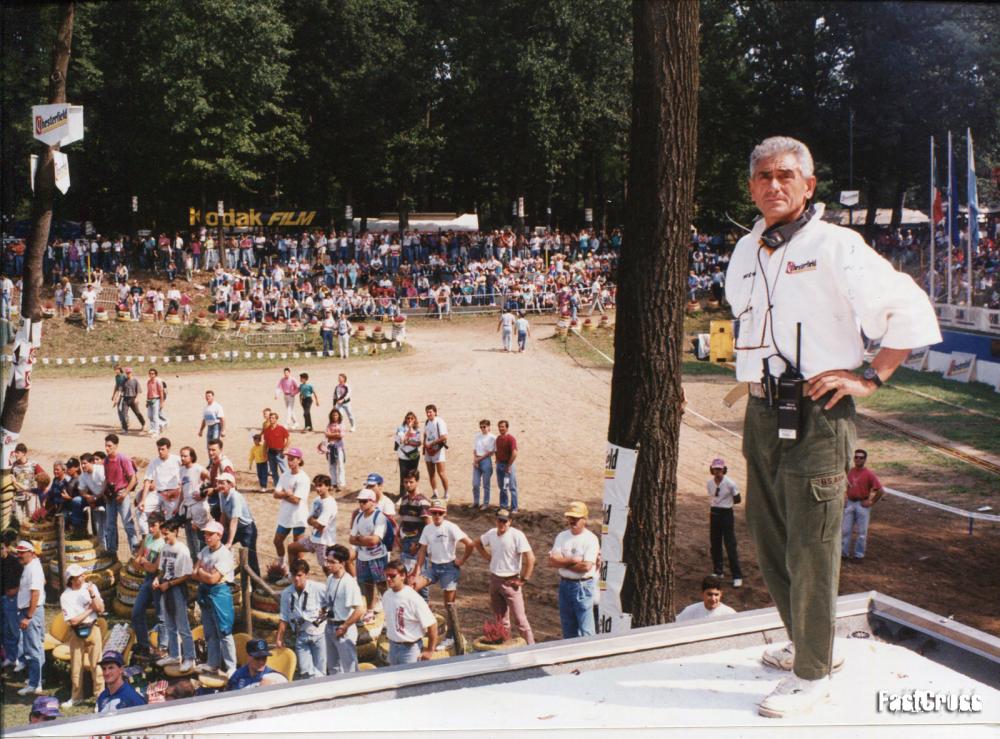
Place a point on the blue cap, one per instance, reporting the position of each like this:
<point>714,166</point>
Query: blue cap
<point>112,656</point>
<point>374,479</point>
<point>258,648</point>
<point>46,705</point>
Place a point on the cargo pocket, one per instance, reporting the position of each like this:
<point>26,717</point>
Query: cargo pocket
<point>828,493</point>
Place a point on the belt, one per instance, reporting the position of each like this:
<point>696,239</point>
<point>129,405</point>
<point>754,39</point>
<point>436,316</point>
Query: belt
<point>756,390</point>
<point>405,643</point>
<point>575,579</point>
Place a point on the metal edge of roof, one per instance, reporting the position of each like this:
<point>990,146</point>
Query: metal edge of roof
<point>216,708</point>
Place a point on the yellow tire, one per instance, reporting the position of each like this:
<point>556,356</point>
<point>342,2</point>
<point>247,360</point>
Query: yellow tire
<point>125,611</point>
<point>264,619</point>
<point>481,645</point>
<point>81,556</point>
<point>101,562</point>
<point>367,652</point>
<point>365,666</point>
<point>130,581</point>
<point>80,545</point>
<point>263,603</point>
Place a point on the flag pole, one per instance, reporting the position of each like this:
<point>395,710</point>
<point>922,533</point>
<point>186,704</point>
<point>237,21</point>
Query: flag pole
<point>951,217</point>
<point>933,224</point>
<point>973,209</point>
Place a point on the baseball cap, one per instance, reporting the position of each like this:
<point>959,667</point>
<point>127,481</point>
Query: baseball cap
<point>374,479</point>
<point>438,506</point>
<point>128,369</point>
<point>112,656</point>
<point>717,463</point>
<point>258,648</point>
<point>366,495</point>
<point>577,509</point>
<point>294,452</point>
<point>213,527</point>
<point>24,546</point>
<point>226,477</point>
<point>46,705</point>
<point>74,570</point>
<point>503,514</point>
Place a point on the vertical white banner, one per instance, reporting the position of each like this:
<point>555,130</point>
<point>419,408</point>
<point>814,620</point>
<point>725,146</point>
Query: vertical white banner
<point>619,469</point>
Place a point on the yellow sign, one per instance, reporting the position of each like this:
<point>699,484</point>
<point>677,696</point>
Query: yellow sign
<point>251,218</point>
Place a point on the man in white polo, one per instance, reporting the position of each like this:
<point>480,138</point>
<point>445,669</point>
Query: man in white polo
<point>575,553</point>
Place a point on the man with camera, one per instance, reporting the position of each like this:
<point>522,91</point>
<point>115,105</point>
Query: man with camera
<point>801,289</point>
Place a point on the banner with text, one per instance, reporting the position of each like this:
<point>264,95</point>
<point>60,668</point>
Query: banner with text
<point>619,469</point>
<point>255,218</point>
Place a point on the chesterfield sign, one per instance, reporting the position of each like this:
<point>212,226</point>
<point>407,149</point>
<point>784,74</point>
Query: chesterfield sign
<point>251,218</point>
<point>60,123</point>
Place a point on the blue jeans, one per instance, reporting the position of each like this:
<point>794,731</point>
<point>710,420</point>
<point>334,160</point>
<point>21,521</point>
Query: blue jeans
<point>112,510</point>
<point>77,509</point>
<point>276,464</point>
<point>32,638</point>
<point>246,535</point>
<point>310,653</point>
<point>11,631</point>
<point>175,616</point>
<point>855,516</point>
<point>153,414</point>
<point>402,654</point>
<point>576,607</point>
<point>145,595</point>
<point>88,312</point>
<point>507,482</point>
<point>341,651</point>
<point>327,337</point>
<point>221,648</point>
<point>261,468</point>
<point>213,432</point>
<point>522,341</point>
<point>482,473</point>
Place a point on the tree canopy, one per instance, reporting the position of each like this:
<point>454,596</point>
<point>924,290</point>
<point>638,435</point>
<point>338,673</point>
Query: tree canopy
<point>394,105</point>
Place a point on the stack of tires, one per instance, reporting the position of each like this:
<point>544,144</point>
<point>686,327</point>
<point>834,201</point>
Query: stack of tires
<point>368,635</point>
<point>7,497</point>
<point>129,582</point>
<point>100,566</point>
<point>264,611</point>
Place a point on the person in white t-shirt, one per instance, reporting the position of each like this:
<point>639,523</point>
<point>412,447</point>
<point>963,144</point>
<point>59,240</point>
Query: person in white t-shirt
<point>484,446</point>
<point>194,508</point>
<point>345,606</point>
<point>161,486</point>
<point>408,619</point>
<point>293,512</point>
<point>214,571</point>
<point>511,563</point>
<point>506,328</point>
<point>436,557</point>
<point>175,571</point>
<point>89,297</point>
<point>322,522</point>
<point>213,419</point>
<point>31,615</point>
<point>435,444</point>
<point>723,494</point>
<point>711,605</point>
<point>81,606</point>
<point>367,533</point>
<point>576,553</point>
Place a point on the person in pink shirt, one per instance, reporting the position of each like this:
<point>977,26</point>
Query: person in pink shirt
<point>289,388</point>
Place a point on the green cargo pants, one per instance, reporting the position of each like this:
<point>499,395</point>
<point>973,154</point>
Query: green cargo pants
<point>795,503</point>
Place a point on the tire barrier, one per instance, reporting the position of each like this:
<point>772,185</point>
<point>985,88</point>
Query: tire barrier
<point>481,645</point>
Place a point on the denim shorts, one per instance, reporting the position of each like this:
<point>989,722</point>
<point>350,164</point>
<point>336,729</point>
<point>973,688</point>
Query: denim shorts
<point>445,574</point>
<point>296,531</point>
<point>372,570</point>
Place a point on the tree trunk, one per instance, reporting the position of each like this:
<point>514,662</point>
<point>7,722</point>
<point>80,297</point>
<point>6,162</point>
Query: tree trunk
<point>646,392</point>
<point>15,405</point>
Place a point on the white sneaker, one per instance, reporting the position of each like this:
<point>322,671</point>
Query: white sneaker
<point>204,668</point>
<point>738,582</point>
<point>19,666</point>
<point>794,696</point>
<point>186,666</point>
<point>783,658</point>
<point>67,704</point>
<point>31,690</point>
<point>7,663</point>
<point>164,661</point>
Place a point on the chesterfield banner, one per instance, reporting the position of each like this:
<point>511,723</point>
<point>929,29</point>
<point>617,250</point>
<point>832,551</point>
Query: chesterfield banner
<point>253,218</point>
<point>57,124</point>
<point>619,469</point>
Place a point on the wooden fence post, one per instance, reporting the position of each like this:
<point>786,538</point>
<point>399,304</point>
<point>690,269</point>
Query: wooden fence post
<point>245,591</point>
<point>61,543</point>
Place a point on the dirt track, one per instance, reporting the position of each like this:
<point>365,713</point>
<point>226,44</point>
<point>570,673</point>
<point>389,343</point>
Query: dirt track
<point>558,413</point>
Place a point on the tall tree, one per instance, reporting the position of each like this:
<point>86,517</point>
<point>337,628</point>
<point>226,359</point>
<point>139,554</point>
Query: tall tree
<point>15,403</point>
<point>646,394</point>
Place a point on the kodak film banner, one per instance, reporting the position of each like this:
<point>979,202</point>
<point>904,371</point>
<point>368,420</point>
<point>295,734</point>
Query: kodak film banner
<point>252,218</point>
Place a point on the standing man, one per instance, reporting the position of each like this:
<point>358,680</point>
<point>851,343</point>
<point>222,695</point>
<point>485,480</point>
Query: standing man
<point>10,572</point>
<point>408,619</point>
<point>342,399</point>
<point>118,398</point>
<point>483,448</point>
<point>301,603</point>
<point>413,517</point>
<point>288,388</point>
<point>175,571</point>
<point>506,455</point>
<point>710,605</point>
<point>161,485</point>
<point>214,572</point>
<point>722,527</point>
<point>511,564</point>
<point>795,270</point>
<point>863,491</point>
<point>435,444</point>
<point>213,419</point>
<point>344,606</point>
<point>276,439</point>
<point>91,486</point>
<point>156,398</point>
<point>343,338</point>
<point>576,553</point>
<point>367,533</point>
<point>506,327</point>
<point>293,511</point>
<point>523,331</point>
<point>120,480</point>
<point>238,524</point>
<point>437,556</point>
<point>31,615</point>
<point>130,391</point>
<point>147,560</point>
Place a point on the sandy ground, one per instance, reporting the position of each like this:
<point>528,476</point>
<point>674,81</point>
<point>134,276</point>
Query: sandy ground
<point>558,412</point>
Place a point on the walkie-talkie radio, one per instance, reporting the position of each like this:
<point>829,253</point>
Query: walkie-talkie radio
<point>790,394</point>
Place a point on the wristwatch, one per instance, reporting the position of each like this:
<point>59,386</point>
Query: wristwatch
<point>872,376</point>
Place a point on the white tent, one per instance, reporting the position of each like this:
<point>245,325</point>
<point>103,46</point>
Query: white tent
<point>424,222</point>
<point>883,217</point>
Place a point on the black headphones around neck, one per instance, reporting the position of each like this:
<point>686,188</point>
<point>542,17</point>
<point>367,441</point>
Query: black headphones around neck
<point>781,233</point>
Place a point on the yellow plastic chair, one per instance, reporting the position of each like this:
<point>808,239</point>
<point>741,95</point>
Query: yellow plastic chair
<point>61,652</point>
<point>283,661</point>
<point>58,633</point>
<point>241,640</point>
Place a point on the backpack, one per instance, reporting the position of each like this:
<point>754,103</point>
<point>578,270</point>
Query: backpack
<point>391,535</point>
